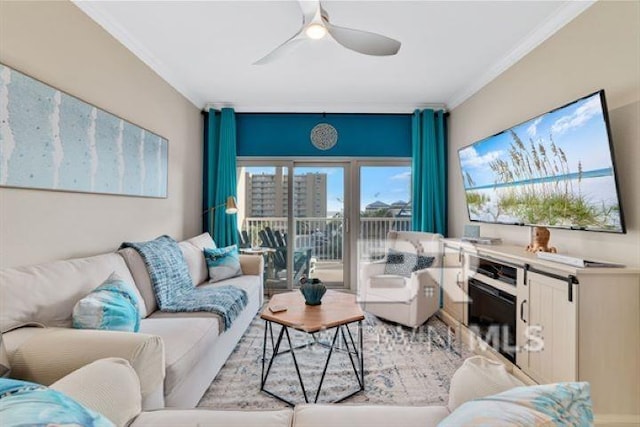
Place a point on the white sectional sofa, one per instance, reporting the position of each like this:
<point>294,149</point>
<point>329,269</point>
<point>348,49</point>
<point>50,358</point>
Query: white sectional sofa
<point>175,355</point>
<point>110,387</point>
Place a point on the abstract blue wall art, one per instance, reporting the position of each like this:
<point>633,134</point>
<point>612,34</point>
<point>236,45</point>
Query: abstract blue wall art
<point>51,140</point>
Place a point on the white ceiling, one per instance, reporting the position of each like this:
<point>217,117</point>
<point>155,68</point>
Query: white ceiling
<point>450,49</point>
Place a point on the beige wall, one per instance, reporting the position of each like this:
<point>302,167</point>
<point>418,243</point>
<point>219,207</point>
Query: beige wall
<point>599,49</point>
<point>56,43</point>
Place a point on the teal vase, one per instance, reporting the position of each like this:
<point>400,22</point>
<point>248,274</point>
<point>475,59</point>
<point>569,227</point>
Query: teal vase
<point>313,291</point>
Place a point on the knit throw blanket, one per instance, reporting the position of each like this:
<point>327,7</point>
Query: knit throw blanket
<point>174,289</point>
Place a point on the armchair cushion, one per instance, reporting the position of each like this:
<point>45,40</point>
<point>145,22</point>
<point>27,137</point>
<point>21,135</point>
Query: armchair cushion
<point>107,386</point>
<point>387,281</point>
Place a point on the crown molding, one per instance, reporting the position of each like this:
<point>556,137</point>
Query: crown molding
<point>542,32</point>
<point>121,35</point>
<point>353,108</point>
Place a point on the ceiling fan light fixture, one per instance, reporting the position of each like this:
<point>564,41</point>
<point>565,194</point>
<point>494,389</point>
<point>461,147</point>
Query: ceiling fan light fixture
<point>316,31</point>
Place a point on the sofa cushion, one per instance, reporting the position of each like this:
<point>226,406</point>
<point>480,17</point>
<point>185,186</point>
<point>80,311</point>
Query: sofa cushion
<point>210,418</point>
<point>28,404</point>
<point>202,241</point>
<point>223,263</point>
<point>45,294</point>
<point>186,340</point>
<point>560,404</point>
<point>141,278</point>
<point>108,386</point>
<point>111,306</point>
<point>192,249</point>
<point>251,284</point>
<point>368,416</point>
<point>195,262</point>
<point>479,377</point>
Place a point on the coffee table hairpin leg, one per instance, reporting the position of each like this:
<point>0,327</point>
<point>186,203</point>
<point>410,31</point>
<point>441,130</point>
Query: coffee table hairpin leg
<point>352,350</point>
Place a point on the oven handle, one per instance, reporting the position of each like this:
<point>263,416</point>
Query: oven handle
<point>493,292</point>
<point>522,310</point>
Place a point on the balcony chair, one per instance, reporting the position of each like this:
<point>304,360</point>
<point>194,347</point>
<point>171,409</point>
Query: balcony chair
<point>301,257</point>
<point>244,242</point>
<point>390,289</point>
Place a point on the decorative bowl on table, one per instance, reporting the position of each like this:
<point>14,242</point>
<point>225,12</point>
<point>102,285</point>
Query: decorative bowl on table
<point>313,290</point>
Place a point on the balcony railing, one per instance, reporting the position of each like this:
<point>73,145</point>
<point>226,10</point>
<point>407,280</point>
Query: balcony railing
<point>325,236</point>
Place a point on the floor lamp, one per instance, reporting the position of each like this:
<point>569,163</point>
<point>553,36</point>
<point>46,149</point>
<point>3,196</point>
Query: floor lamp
<point>230,208</point>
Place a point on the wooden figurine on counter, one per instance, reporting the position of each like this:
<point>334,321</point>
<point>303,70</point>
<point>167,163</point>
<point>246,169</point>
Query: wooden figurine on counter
<point>540,241</point>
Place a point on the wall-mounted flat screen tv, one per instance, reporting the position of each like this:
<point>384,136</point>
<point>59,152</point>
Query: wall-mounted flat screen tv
<point>555,170</point>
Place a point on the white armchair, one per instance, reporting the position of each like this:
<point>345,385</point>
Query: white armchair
<point>409,301</point>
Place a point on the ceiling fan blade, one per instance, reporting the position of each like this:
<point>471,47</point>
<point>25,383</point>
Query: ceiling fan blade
<point>364,41</point>
<point>308,9</point>
<point>282,50</point>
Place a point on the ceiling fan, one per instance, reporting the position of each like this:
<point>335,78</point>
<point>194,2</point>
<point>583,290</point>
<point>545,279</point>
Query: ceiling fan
<point>316,25</point>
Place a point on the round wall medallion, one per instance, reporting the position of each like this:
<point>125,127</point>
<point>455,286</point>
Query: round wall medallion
<point>324,136</point>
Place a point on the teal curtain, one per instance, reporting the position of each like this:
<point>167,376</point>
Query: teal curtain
<point>429,171</point>
<point>219,175</point>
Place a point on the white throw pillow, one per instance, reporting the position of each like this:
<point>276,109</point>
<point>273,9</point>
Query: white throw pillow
<point>479,377</point>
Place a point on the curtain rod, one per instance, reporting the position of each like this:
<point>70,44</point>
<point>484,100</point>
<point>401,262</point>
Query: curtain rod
<point>446,113</point>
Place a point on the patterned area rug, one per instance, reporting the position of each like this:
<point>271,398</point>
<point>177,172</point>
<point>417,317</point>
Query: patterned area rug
<point>401,368</point>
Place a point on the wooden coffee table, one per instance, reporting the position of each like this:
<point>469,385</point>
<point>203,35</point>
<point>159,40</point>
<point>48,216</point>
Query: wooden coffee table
<point>337,311</point>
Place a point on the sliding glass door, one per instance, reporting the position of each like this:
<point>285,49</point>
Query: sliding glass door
<point>326,220</point>
<point>263,216</point>
<point>297,224</point>
<point>321,231</point>
<point>383,208</point>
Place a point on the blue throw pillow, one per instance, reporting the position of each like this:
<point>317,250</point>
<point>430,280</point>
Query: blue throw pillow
<point>27,404</point>
<point>403,263</point>
<point>223,263</point>
<point>112,306</point>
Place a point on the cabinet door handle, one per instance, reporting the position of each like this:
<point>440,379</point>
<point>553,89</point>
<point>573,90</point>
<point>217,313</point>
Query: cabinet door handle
<point>522,310</point>
<point>458,281</point>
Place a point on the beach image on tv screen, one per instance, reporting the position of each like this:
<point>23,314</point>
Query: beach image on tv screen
<point>554,170</point>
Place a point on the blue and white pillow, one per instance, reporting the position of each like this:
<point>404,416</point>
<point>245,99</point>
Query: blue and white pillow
<point>112,306</point>
<point>403,263</point>
<point>27,404</point>
<point>561,404</point>
<point>223,263</point>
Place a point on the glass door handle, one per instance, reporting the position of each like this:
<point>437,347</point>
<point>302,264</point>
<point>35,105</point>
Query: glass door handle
<point>346,225</point>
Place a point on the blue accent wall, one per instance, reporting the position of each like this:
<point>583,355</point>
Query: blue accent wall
<point>359,135</point>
